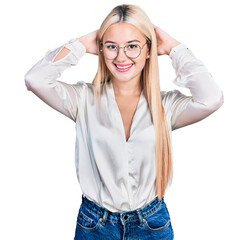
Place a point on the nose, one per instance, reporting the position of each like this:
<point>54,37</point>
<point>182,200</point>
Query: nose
<point>121,55</point>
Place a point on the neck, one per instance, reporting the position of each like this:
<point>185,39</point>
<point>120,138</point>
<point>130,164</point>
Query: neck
<point>129,88</point>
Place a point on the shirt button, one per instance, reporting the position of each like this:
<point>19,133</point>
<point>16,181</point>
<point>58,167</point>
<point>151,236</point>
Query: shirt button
<point>125,217</point>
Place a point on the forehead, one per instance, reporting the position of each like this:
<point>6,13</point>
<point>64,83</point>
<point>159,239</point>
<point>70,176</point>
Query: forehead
<point>122,32</point>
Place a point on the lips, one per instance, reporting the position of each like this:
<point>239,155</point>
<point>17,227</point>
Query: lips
<point>123,67</point>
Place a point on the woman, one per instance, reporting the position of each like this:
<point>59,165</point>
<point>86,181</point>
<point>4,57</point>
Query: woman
<point>124,122</point>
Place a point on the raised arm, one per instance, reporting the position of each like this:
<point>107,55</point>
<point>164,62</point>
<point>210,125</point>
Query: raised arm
<point>41,79</point>
<point>206,96</point>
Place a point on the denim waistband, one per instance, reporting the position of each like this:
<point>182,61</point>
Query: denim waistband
<point>122,216</point>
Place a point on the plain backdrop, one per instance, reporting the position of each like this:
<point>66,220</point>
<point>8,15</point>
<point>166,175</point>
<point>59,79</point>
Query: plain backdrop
<point>40,194</point>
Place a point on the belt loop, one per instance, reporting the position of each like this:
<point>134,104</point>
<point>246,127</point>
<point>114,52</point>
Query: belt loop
<point>140,216</point>
<point>105,215</point>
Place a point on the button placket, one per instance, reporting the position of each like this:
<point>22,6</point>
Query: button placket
<point>129,155</point>
<point>131,171</point>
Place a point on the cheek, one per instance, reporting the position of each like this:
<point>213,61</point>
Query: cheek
<point>142,59</point>
<point>109,65</point>
<point>141,63</point>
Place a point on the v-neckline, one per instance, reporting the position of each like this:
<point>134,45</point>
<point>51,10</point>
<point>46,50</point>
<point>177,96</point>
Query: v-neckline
<point>119,113</point>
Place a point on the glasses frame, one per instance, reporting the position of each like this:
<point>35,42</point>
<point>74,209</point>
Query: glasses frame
<point>118,49</point>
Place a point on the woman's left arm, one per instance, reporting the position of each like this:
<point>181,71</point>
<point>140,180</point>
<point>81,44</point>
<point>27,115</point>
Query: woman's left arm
<point>206,97</point>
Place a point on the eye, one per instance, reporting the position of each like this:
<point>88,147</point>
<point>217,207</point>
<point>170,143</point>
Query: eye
<point>111,47</point>
<point>132,46</point>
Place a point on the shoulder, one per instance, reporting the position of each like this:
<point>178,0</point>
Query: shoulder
<point>84,86</point>
<point>87,91</point>
<point>174,100</point>
<point>170,95</point>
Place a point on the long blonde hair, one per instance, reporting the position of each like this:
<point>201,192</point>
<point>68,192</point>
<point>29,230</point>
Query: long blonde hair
<point>134,15</point>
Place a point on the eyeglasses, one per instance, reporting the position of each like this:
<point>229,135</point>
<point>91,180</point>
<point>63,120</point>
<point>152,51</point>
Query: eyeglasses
<point>111,51</point>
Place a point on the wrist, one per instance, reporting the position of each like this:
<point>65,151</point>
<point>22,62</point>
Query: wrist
<point>172,44</point>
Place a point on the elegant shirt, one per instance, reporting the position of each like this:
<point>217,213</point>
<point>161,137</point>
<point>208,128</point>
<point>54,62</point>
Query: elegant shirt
<point>118,174</point>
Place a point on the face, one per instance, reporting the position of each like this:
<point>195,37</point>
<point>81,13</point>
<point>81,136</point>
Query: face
<point>122,67</point>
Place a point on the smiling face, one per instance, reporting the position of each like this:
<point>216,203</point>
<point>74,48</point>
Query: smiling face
<point>122,67</point>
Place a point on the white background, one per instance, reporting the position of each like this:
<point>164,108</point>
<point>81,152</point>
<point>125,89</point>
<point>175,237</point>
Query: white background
<point>40,195</point>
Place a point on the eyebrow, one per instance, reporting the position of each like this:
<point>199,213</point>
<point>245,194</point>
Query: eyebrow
<point>127,42</point>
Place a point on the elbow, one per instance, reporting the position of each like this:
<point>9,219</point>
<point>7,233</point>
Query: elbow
<point>221,101</point>
<point>28,79</point>
<point>33,77</point>
<point>215,105</point>
<point>33,81</point>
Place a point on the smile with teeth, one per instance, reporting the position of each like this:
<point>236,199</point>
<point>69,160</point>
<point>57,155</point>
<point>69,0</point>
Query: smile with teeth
<point>122,67</point>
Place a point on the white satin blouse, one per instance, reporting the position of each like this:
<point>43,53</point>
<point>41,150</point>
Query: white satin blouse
<point>118,174</point>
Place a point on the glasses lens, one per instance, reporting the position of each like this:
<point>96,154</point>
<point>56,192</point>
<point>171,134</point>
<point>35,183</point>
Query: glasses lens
<point>132,50</point>
<point>110,51</point>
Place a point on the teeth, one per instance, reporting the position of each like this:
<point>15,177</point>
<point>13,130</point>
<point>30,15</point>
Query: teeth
<point>124,67</point>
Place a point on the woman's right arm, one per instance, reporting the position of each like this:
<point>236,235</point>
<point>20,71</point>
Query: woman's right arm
<point>41,79</point>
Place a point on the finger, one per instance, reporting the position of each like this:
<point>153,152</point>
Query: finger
<point>155,27</point>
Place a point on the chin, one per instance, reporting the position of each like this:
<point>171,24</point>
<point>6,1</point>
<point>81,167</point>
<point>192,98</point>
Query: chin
<point>122,78</point>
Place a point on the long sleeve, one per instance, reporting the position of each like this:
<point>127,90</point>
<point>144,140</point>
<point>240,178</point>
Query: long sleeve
<point>191,73</point>
<point>41,79</point>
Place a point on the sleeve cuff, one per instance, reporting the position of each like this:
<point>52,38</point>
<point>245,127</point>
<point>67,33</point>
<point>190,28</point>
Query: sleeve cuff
<point>76,47</point>
<point>177,48</point>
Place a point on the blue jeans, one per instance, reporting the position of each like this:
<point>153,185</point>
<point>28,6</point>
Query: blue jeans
<point>150,222</point>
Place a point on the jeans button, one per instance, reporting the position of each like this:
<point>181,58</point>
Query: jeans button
<point>125,217</point>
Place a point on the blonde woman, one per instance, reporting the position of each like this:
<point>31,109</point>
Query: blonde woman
<point>124,122</point>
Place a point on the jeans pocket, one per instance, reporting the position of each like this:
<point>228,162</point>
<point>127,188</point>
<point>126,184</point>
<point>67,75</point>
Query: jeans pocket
<point>87,220</point>
<point>158,220</point>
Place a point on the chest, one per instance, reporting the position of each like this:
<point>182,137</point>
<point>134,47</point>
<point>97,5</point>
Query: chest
<point>127,108</point>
